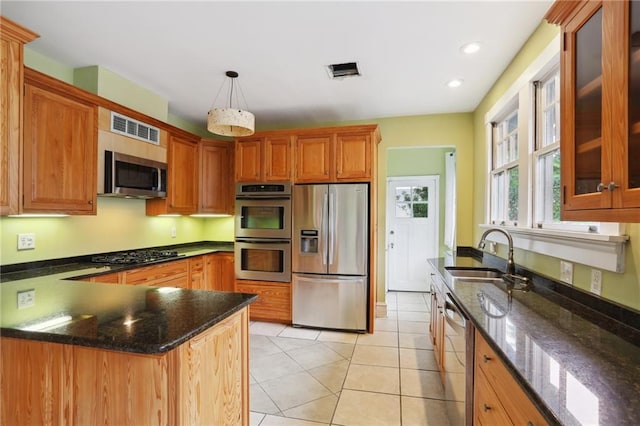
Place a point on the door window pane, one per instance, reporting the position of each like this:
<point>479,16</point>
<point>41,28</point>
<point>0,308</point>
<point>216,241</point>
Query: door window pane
<point>412,201</point>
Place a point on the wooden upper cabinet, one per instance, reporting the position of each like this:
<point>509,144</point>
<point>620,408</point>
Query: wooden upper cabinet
<point>248,160</point>
<point>216,177</point>
<point>353,156</point>
<point>600,109</point>
<point>277,158</point>
<point>263,158</point>
<point>314,158</point>
<point>335,156</point>
<point>60,151</point>
<point>12,39</point>
<point>182,179</point>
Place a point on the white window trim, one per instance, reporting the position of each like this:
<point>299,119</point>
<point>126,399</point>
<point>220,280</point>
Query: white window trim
<point>596,250</point>
<point>604,250</point>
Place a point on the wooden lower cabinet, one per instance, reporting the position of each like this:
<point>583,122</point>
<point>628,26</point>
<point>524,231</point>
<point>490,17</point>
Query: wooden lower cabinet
<point>197,272</point>
<point>220,273</point>
<point>274,300</point>
<point>498,398</point>
<point>205,381</point>
<point>112,278</point>
<point>171,274</point>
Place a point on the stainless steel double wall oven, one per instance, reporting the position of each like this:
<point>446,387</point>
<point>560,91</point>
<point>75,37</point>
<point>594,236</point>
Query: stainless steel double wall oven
<point>263,231</point>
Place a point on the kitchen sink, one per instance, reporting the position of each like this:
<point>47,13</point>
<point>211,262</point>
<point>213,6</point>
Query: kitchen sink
<point>474,273</point>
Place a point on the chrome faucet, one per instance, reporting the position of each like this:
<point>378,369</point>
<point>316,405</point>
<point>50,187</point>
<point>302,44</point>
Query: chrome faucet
<point>511,266</point>
<point>513,281</point>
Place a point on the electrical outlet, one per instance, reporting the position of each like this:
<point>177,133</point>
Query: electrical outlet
<point>566,272</point>
<point>493,247</point>
<point>174,232</point>
<point>26,241</point>
<point>596,281</point>
<point>26,298</point>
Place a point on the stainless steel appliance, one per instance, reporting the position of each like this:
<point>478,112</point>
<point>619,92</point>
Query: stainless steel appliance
<point>330,256</point>
<point>458,364</point>
<point>263,210</point>
<point>263,259</point>
<point>130,176</point>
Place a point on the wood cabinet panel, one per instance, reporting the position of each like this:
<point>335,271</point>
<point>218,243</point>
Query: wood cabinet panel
<point>353,156</point>
<point>487,409</point>
<point>314,158</point>
<point>216,177</point>
<point>114,387</point>
<point>182,179</point>
<point>174,273</point>
<point>515,403</point>
<point>214,375</point>
<point>599,171</point>
<point>220,273</point>
<point>60,153</point>
<point>197,272</point>
<point>113,278</point>
<point>274,300</point>
<point>34,384</point>
<point>277,158</point>
<point>248,160</point>
<point>12,39</point>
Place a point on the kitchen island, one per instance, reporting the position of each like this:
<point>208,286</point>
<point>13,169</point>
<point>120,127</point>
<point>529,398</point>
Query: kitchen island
<point>93,353</point>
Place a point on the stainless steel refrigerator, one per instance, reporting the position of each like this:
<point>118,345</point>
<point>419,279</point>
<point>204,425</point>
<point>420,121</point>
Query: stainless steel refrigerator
<point>330,256</point>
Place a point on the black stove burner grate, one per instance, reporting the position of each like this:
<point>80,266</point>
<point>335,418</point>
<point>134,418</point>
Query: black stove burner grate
<point>134,257</point>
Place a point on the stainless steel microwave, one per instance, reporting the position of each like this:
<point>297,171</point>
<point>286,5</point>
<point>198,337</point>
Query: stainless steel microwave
<point>129,176</point>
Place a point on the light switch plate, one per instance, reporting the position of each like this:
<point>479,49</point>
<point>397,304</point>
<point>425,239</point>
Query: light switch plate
<point>566,272</point>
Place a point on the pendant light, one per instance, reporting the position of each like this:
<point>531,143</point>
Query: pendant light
<point>230,121</point>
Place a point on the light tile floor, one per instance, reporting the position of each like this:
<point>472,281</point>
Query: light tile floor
<point>307,377</point>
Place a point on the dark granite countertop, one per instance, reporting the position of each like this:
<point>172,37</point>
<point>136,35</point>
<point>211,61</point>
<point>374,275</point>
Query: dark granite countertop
<point>124,318</point>
<point>577,372</point>
<point>84,268</point>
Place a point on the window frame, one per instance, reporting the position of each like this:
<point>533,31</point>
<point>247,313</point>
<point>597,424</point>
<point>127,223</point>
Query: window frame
<point>602,247</point>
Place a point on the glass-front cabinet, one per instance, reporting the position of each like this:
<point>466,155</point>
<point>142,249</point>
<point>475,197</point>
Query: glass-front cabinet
<point>600,109</point>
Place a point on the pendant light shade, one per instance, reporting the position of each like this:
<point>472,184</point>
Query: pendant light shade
<point>229,120</point>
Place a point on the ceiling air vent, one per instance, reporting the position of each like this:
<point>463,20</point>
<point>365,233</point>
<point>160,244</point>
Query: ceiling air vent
<point>348,69</point>
<point>134,128</point>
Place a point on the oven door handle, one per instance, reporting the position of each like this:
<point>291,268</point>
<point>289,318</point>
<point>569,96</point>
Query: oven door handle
<point>262,241</point>
<point>261,197</point>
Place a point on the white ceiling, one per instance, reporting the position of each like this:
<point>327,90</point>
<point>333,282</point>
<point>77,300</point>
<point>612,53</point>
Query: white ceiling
<point>406,51</point>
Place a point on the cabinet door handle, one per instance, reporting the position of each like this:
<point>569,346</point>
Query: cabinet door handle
<point>610,187</point>
<point>90,201</point>
<point>486,358</point>
<point>486,407</point>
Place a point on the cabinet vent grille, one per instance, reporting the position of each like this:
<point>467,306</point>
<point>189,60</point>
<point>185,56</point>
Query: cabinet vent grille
<point>134,129</point>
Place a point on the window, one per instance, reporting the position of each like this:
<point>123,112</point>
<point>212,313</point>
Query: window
<point>412,201</point>
<point>547,149</point>
<point>505,180</point>
<point>523,173</point>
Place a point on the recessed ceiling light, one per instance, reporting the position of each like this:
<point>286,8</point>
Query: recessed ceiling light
<point>456,82</point>
<point>470,48</point>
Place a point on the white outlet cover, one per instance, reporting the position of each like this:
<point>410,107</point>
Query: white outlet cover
<point>596,281</point>
<point>26,241</point>
<point>566,272</point>
<point>26,298</point>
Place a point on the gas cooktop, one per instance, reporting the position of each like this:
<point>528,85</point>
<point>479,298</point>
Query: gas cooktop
<point>134,257</point>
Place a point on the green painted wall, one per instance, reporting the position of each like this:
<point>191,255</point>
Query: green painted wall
<point>109,85</point>
<point>620,288</point>
<point>422,162</point>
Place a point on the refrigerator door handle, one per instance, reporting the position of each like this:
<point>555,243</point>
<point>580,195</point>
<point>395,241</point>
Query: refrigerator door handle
<point>332,226</point>
<point>324,223</point>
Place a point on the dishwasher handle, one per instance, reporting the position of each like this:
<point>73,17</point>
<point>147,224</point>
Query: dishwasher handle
<point>453,315</point>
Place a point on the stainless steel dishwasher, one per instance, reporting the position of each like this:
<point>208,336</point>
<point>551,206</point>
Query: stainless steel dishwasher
<point>458,364</point>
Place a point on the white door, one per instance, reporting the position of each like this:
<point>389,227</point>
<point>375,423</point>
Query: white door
<point>412,231</point>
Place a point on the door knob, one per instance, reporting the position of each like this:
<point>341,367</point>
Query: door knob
<point>391,245</point>
<point>391,232</point>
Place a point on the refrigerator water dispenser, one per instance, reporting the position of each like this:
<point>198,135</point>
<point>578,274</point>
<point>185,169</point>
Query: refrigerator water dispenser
<point>308,241</point>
